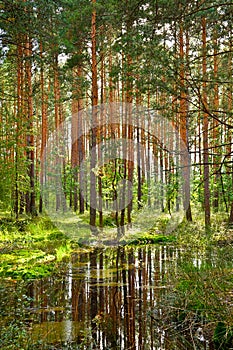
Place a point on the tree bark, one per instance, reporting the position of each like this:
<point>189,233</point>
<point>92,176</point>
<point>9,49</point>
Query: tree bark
<point>93,193</point>
<point>216,126</point>
<point>31,196</point>
<point>183,127</point>
<point>205,128</point>
<point>57,126</point>
<point>44,127</point>
<point>74,141</point>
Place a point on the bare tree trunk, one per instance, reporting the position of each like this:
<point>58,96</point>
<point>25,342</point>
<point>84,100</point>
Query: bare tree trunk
<point>129,100</point>
<point>18,126</point>
<point>229,110</point>
<point>216,126</point>
<point>74,147</point>
<point>93,193</point>
<point>205,129</point>
<point>183,128</point>
<point>81,151</point>
<point>30,196</point>
<point>44,127</point>
<point>57,125</point>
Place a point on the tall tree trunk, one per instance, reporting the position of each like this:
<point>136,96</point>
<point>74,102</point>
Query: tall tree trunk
<point>93,193</point>
<point>129,100</point>
<point>30,196</point>
<point>43,127</point>
<point>216,126</point>
<point>112,134</point>
<point>74,140</point>
<point>184,129</point>
<point>140,136</point>
<point>148,154</point>
<point>124,135</point>
<point>18,125</point>
<point>229,98</point>
<point>101,129</point>
<point>81,150</point>
<point>57,125</point>
<point>205,128</point>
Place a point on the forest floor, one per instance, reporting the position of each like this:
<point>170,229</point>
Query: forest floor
<point>31,248</point>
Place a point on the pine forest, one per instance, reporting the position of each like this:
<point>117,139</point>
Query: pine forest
<point>116,131</point>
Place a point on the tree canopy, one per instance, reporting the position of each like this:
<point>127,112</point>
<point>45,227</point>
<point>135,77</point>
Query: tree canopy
<point>60,58</point>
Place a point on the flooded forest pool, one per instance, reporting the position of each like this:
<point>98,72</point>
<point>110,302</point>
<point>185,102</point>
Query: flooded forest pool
<point>120,298</point>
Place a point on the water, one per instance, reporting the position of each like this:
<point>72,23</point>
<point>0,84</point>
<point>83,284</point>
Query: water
<point>107,296</point>
<point>114,298</point>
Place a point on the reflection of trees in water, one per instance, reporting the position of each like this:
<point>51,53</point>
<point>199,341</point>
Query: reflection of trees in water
<point>115,296</point>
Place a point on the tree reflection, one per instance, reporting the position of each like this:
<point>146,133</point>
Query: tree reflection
<point>111,297</point>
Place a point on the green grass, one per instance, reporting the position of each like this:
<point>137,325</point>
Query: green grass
<point>194,233</point>
<point>147,238</point>
<point>201,286</point>
<point>30,248</point>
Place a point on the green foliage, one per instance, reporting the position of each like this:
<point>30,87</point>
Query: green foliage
<point>30,248</point>
<point>201,286</point>
<point>63,251</point>
<point>223,336</point>
<point>149,239</point>
<point>109,221</point>
<point>14,334</point>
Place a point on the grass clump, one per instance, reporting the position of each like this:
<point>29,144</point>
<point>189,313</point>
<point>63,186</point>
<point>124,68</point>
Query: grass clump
<point>30,248</point>
<point>63,251</point>
<point>142,239</point>
<point>200,298</point>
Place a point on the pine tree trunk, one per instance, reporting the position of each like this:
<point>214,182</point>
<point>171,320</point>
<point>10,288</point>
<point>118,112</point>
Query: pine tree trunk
<point>18,119</point>
<point>101,130</point>
<point>148,155</point>
<point>205,129</point>
<point>81,150</point>
<point>57,125</point>
<point>129,100</point>
<point>30,198</point>
<point>74,147</point>
<point>43,128</point>
<point>229,139</point>
<point>216,127</point>
<point>183,128</point>
<point>93,193</point>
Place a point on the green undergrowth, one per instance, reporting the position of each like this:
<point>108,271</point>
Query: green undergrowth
<point>186,234</point>
<point>194,234</point>
<point>201,298</point>
<point>147,238</point>
<point>30,248</point>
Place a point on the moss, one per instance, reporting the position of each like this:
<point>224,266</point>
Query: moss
<point>147,239</point>
<point>30,248</point>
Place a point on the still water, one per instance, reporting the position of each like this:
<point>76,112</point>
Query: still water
<point>112,298</point>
